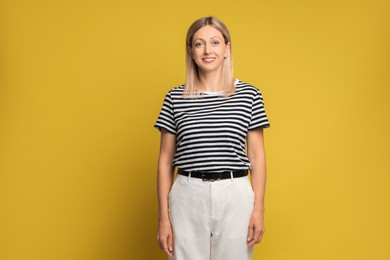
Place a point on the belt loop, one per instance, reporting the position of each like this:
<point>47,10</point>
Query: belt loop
<point>231,175</point>
<point>189,177</point>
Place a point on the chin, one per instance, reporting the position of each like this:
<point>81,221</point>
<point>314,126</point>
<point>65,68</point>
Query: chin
<point>209,68</point>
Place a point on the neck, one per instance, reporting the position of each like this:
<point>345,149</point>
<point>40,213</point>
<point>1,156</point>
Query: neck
<point>210,81</point>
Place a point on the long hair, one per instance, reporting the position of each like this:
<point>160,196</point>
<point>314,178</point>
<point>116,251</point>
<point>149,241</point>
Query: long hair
<point>192,76</point>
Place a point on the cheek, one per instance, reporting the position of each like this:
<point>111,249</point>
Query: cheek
<point>227,49</point>
<point>196,54</point>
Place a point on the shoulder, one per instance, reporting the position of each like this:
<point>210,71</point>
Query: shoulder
<point>175,92</point>
<point>243,87</point>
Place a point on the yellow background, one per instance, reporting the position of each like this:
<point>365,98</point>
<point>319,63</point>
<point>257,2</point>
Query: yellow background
<point>82,83</point>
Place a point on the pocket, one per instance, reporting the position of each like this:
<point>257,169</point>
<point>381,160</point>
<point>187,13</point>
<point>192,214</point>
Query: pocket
<point>249,187</point>
<point>173,187</point>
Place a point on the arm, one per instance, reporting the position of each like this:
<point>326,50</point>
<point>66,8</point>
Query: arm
<point>256,155</point>
<point>164,183</point>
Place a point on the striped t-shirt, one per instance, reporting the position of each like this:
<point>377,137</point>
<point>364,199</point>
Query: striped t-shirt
<point>211,130</point>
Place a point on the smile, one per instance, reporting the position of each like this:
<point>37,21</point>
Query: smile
<point>208,59</point>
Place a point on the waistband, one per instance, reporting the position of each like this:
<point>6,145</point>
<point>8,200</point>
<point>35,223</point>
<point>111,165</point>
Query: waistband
<point>214,176</point>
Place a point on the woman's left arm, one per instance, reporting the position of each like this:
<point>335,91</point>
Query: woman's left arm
<point>256,155</point>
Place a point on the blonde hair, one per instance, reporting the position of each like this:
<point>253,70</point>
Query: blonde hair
<point>192,76</point>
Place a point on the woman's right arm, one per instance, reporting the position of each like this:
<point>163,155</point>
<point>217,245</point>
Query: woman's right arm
<point>164,184</point>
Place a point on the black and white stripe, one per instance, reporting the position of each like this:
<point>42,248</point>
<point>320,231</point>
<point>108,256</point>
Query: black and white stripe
<point>211,130</point>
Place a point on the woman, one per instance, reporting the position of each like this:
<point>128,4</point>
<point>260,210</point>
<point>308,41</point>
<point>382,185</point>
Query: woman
<point>211,210</point>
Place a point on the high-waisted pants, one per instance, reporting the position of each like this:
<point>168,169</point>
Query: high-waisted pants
<point>210,218</point>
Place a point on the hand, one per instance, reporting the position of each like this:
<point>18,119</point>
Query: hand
<point>165,236</point>
<point>255,229</point>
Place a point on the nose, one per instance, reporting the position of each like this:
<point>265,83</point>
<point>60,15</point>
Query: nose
<point>207,48</point>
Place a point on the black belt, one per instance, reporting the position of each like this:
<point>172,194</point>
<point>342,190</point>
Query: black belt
<point>214,176</point>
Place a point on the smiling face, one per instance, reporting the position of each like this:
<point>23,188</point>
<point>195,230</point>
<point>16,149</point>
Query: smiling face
<point>209,49</point>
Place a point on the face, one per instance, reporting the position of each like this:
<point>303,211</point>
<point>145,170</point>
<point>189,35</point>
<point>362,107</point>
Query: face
<point>209,49</point>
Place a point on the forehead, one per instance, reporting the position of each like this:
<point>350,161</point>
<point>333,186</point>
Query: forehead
<point>207,32</point>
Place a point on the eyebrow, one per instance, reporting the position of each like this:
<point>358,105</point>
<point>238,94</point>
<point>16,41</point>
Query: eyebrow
<point>204,40</point>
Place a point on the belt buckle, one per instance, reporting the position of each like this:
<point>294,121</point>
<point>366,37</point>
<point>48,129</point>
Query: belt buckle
<point>211,179</point>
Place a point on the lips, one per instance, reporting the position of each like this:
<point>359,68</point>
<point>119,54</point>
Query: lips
<point>208,59</point>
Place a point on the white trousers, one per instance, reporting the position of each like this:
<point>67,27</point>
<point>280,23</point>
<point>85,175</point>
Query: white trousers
<point>210,218</point>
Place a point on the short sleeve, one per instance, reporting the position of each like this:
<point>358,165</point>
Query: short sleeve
<point>259,118</point>
<point>166,118</point>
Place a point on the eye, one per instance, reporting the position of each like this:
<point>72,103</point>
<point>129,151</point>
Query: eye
<point>198,44</point>
<point>215,42</point>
